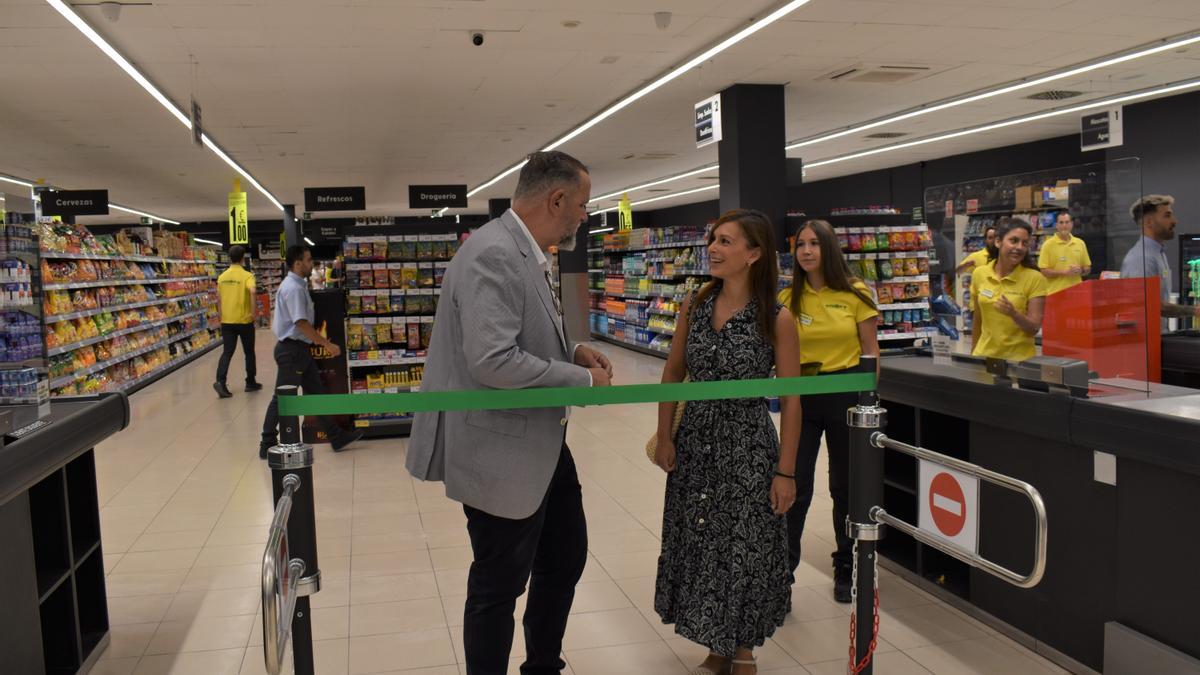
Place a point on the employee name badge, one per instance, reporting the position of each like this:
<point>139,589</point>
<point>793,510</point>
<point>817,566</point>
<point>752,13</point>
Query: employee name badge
<point>805,320</point>
<point>987,293</point>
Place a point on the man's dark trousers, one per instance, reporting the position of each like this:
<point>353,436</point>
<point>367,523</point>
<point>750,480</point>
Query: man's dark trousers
<point>296,368</point>
<point>230,332</point>
<point>548,549</point>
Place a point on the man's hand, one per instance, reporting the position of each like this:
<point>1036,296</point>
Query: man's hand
<point>600,377</point>
<point>334,350</point>
<point>590,358</point>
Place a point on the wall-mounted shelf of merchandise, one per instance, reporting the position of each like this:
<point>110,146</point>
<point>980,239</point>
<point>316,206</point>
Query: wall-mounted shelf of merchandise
<point>637,281</point>
<point>394,284</point>
<point>894,262</point>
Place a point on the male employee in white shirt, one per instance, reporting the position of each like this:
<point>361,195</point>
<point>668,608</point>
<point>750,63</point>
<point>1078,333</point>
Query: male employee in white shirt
<point>292,325</point>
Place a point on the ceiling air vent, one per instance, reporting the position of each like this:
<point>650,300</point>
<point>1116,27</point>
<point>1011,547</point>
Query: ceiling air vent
<point>887,134</point>
<point>877,73</point>
<point>1054,95</point>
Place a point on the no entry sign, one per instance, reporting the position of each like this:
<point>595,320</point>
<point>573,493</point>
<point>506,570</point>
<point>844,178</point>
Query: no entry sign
<point>949,505</point>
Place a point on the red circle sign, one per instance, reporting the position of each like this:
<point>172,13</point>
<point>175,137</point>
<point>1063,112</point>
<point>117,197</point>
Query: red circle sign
<point>947,504</point>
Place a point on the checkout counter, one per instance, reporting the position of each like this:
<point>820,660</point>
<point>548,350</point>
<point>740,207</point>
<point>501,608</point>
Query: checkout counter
<point>55,617</point>
<point>1119,469</point>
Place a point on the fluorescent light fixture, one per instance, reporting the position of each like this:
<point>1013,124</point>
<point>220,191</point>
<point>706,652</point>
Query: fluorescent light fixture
<point>1026,84</point>
<point>660,181</point>
<point>141,213</point>
<point>310,241</point>
<point>91,34</point>
<point>1102,103</point>
<point>662,197</point>
<point>671,75</point>
<point>206,241</point>
<point>497,179</point>
<point>441,212</point>
<point>601,231</point>
<point>22,183</point>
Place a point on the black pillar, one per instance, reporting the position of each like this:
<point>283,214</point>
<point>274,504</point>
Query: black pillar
<point>497,207</point>
<point>753,163</point>
<point>291,229</point>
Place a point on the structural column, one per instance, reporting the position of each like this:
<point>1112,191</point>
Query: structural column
<point>753,162</point>
<point>497,207</point>
<point>291,229</point>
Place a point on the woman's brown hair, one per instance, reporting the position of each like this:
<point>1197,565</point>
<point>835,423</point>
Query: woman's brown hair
<point>833,267</point>
<point>764,273</point>
<point>1005,226</point>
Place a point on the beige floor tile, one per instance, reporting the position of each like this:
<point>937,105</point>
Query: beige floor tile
<point>770,656</point>
<point>634,541</point>
<point>648,657</point>
<point>219,578</point>
<point>819,640</point>
<point>891,663</point>
<point>815,602</point>
<point>214,603</point>
<point>453,581</point>
<point>378,564</point>
<point>129,640</point>
<point>332,546</point>
<point>392,588</point>
<point>199,635</point>
<point>242,554</point>
<point>333,593</point>
<point>926,625</point>
<point>235,536</point>
<point>219,662</point>
<point>179,522</point>
<point>407,616</point>
<point>381,653</point>
<point>138,609</point>
<point>144,583</point>
<point>115,666</point>
<point>163,541</point>
<point>453,558</point>
<point>599,596</point>
<point>629,565</point>
<point>387,543</point>
<point>157,561</point>
<point>983,655</point>
<point>605,629</point>
<point>331,623</point>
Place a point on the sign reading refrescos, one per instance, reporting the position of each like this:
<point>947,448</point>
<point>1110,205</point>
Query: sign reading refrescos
<point>708,121</point>
<point>239,220</point>
<point>437,196</point>
<point>335,199</point>
<point>949,505</point>
<point>75,203</point>
<point>1102,130</point>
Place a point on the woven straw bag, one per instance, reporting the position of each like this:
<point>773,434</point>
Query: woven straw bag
<point>652,444</point>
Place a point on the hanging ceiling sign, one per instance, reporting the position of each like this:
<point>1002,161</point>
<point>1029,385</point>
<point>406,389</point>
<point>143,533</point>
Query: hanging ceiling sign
<point>437,196</point>
<point>75,203</point>
<point>239,221</point>
<point>708,121</point>
<point>335,199</point>
<point>1102,130</point>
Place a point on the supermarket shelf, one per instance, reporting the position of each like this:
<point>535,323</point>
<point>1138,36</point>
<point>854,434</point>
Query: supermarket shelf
<point>67,379</point>
<point>626,320</point>
<point>373,363</point>
<point>596,250</point>
<point>384,428</point>
<point>908,336</point>
<point>394,315</point>
<point>596,291</point>
<point>55,255</point>
<point>661,331</point>
<point>905,305</point>
<point>645,296</point>
<point>119,308</point>
<point>655,247</point>
<point>662,312</point>
<point>678,275</point>
<point>158,373</point>
<point>126,331</point>
<point>121,282</point>
<point>906,280</point>
<point>635,346</point>
<point>887,255</point>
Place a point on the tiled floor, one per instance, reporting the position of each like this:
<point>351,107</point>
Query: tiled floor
<point>185,505</point>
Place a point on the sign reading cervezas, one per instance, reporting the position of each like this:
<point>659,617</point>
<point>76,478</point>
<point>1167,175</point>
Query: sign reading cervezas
<point>335,199</point>
<point>437,196</point>
<point>75,203</point>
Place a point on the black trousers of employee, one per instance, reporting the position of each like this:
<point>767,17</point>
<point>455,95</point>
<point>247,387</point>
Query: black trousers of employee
<point>823,414</point>
<point>297,368</point>
<point>230,333</point>
<point>547,549</point>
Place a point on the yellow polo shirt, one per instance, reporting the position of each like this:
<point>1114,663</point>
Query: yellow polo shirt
<point>978,258</point>
<point>236,289</point>
<point>828,325</point>
<point>1060,255</point>
<point>1001,337</point>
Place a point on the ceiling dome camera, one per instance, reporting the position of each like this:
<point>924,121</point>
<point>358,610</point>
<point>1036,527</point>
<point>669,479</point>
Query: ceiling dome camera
<point>477,39</point>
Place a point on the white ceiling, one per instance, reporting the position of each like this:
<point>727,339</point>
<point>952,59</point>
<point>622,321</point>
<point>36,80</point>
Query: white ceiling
<point>387,93</point>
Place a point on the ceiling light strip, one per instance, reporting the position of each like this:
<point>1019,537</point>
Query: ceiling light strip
<point>116,56</point>
<point>310,241</point>
<point>207,241</point>
<point>17,181</point>
<point>660,181</point>
<point>661,197</point>
<point>671,75</point>
<point>601,230</point>
<point>1137,53</point>
<point>135,212</point>
<point>1103,103</point>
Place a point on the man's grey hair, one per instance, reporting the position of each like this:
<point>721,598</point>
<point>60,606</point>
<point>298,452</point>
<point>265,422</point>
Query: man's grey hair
<point>1149,204</point>
<point>545,171</point>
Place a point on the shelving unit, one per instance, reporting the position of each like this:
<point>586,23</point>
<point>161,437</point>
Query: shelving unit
<point>393,284</point>
<point>893,257</point>
<point>23,365</point>
<point>637,280</point>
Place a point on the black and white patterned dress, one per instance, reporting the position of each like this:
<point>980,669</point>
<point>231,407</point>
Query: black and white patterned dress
<point>723,576</point>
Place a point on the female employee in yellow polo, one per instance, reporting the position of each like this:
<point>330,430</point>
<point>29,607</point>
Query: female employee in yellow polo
<point>979,258</point>
<point>836,318</point>
<point>1008,296</point>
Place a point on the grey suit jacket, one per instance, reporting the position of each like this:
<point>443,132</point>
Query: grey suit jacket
<point>495,328</point>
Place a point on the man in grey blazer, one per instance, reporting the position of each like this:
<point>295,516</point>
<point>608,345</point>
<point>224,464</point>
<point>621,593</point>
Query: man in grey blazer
<point>499,326</point>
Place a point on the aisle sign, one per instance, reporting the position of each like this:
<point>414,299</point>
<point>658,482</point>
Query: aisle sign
<point>949,504</point>
<point>239,224</point>
<point>708,121</point>
<point>335,199</point>
<point>437,196</point>
<point>75,203</point>
<point>625,210</point>
<point>1104,129</point>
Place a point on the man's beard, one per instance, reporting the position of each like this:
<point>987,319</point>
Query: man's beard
<point>568,244</point>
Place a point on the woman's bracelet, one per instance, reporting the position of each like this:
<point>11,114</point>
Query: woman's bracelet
<point>785,475</point>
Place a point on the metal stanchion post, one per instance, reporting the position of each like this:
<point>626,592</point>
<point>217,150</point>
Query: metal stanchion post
<point>866,492</point>
<point>292,457</point>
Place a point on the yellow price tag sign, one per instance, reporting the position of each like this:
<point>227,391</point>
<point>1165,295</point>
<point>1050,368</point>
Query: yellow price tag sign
<point>239,223</point>
<point>625,210</point>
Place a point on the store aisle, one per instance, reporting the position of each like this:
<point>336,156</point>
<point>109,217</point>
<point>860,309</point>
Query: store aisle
<point>186,502</point>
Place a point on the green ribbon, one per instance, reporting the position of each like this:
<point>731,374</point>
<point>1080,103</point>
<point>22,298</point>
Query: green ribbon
<point>503,399</point>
